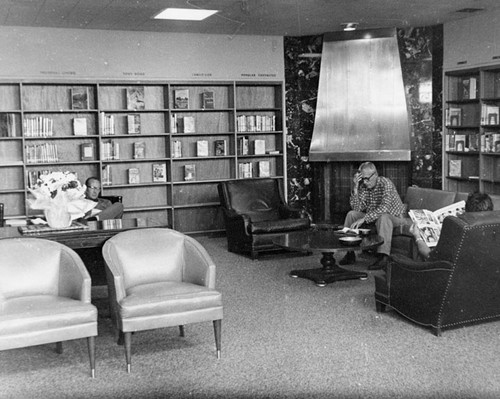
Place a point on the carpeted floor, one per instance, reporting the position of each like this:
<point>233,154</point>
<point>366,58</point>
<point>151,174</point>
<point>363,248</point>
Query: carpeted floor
<point>281,338</point>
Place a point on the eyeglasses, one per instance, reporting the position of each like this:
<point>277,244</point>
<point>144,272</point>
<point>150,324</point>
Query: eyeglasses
<point>367,179</point>
<point>94,188</point>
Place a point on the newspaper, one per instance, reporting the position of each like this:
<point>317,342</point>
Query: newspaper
<point>429,223</point>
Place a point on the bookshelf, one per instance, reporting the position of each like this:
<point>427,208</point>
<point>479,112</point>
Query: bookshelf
<point>471,140</point>
<point>108,129</point>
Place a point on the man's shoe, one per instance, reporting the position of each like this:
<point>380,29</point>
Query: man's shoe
<point>381,263</point>
<point>348,259</point>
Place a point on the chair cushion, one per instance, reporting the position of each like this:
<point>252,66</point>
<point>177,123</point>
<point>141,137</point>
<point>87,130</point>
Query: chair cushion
<point>279,226</point>
<point>43,312</point>
<point>167,297</point>
<point>29,267</point>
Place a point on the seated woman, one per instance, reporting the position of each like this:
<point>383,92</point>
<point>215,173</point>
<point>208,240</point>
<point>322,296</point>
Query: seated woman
<point>107,209</point>
<point>476,202</point>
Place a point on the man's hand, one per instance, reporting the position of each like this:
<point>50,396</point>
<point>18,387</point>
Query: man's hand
<point>357,224</point>
<point>414,230</point>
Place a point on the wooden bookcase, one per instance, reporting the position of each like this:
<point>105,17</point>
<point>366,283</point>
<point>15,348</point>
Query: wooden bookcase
<point>42,114</point>
<point>471,139</point>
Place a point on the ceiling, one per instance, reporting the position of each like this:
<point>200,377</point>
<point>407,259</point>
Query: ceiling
<point>238,17</point>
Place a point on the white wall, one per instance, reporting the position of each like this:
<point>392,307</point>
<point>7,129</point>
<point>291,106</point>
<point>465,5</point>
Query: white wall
<point>77,54</point>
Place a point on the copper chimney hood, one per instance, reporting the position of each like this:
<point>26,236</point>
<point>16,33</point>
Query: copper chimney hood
<point>361,112</point>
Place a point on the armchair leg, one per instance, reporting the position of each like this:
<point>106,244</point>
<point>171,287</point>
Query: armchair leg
<point>120,339</point>
<point>181,331</point>
<point>217,331</point>
<point>437,331</point>
<point>91,347</point>
<point>254,255</point>
<point>59,347</point>
<point>128,348</point>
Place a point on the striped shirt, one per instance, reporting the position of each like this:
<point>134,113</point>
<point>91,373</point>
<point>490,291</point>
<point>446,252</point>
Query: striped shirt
<point>383,198</point>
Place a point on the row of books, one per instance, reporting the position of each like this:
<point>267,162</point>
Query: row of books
<point>108,124</point>
<point>181,99</point>
<point>38,126</point>
<point>202,148</point>
<point>8,125</point>
<point>159,174</point>
<point>246,169</point>
<point>42,153</point>
<point>255,123</point>
<point>34,175</point>
<point>110,150</point>
<point>487,142</point>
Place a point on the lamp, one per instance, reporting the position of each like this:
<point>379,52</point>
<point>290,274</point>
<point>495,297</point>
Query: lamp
<point>347,26</point>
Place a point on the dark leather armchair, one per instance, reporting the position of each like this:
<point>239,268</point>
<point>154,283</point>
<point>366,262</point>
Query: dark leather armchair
<point>459,285</point>
<point>254,212</point>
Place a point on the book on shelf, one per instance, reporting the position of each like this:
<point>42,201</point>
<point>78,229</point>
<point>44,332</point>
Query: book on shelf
<point>134,124</point>
<point>135,98</point>
<point>110,150</point>
<point>134,176</point>
<point>429,223</point>
<point>490,114</point>
<point>139,150</point>
<point>189,172</point>
<point>455,168</point>
<point>469,88</point>
<point>264,168</point>
<point>177,149</point>
<point>106,175</point>
<point>460,142</point>
<point>259,147</point>
<point>220,148</point>
<point>202,148</point>
<point>473,144</point>
<point>79,98</point>
<point>243,145</point>
<point>183,124</point>
<point>8,125</point>
<point>80,126</point>
<point>87,151</point>
<point>453,116</point>
<point>450,142</point>
<point>245,170</point>
<point>40,229</point>
<point>181,98</point>
<point>207,100</point>
<point>107,124</point>
<point>159,172</point>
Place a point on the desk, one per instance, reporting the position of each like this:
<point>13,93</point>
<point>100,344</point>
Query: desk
<point>327,243</point>
<point>88,242</point>
<point>93,237</point>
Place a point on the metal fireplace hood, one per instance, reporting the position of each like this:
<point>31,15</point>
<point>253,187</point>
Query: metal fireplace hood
<point>361,112</point>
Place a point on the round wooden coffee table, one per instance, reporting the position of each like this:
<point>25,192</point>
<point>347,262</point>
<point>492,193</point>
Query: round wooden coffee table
<point>327,243</point>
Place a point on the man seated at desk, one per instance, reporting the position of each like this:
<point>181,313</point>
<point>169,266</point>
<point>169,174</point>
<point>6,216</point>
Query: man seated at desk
<point>104,209</point>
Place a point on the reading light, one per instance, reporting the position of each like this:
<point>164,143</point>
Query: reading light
<point>349,25</point>
<point>186,14</point>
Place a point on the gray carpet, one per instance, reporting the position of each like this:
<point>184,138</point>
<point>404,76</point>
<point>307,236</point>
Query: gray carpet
<point>281,338</point>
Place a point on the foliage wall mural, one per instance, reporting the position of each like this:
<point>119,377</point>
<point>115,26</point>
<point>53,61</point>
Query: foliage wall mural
<point>421,61</point>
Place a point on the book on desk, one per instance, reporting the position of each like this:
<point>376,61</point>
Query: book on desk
<point>40,229</point>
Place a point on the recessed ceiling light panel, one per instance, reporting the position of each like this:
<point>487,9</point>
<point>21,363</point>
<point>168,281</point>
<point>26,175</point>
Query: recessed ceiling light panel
<point>349,26</point>
<point>185,14</point>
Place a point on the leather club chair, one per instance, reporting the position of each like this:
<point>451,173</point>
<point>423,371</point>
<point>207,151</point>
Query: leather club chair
<point>458,285</point>
<point>255,212</point>
<point>44,296</point>
<point>159,278</point>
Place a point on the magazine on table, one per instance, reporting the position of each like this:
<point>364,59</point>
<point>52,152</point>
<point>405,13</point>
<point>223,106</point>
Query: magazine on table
<point>429,223</point>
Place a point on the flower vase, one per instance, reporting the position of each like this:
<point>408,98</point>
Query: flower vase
<point>57,217</point>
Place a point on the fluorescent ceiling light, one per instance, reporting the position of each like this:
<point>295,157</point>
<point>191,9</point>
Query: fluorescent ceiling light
<point>187,14</point>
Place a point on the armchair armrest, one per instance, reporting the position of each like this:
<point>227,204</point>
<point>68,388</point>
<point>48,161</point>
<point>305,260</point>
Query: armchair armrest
<point>237,221</point>
<point>410,265</point>
<point>74,279</point>
<point>198,267</point>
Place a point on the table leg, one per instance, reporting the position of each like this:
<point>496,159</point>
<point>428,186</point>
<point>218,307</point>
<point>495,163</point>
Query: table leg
<point>329,273</point>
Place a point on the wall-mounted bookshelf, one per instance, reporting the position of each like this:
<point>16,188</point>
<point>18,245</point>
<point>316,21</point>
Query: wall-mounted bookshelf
<point>162,146</point>
<point>471,139</point>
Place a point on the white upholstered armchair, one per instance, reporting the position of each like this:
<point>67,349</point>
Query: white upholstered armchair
<point>160,278</point>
